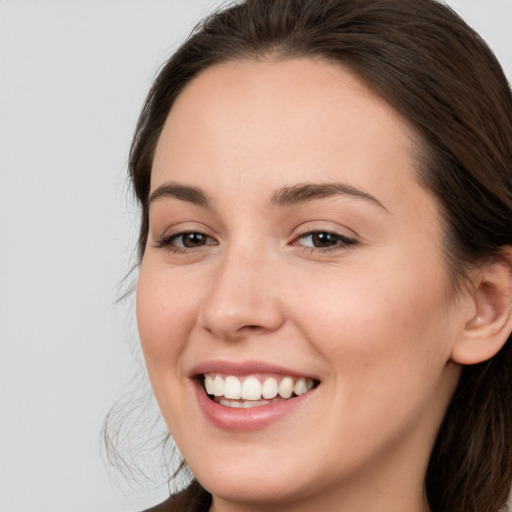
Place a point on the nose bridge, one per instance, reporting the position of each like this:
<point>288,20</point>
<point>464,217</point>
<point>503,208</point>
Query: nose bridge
<point>242,298</point>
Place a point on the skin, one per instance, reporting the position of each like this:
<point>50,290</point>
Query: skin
<point>375,321</point>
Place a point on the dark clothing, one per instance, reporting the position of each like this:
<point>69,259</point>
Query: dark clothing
<point>192,499</point>
<point>162,507</point>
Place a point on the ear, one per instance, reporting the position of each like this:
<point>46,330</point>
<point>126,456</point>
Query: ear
<point>490,325</point>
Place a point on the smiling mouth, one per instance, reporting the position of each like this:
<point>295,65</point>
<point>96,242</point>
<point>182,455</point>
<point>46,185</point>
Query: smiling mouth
<point>251,391</point>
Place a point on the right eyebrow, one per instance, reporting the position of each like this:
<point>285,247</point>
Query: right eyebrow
<point>182,192</point>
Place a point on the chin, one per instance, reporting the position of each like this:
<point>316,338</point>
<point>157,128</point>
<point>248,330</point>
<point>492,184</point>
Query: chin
<point>254,486</point>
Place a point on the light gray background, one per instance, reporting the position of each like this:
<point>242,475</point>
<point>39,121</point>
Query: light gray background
<point>73,75</point>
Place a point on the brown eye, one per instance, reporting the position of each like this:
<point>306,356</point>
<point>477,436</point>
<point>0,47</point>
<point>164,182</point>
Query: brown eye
<point>186,240</point>
<point>191,240</point>
<point>324,240</point>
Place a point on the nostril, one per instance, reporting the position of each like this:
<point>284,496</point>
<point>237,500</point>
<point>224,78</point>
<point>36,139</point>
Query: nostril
<point>252,328</point>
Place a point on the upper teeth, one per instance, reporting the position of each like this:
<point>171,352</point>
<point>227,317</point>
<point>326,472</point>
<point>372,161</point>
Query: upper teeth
<point>251,388</point>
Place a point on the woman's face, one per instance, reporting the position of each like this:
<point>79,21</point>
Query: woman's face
<point>291,249</point>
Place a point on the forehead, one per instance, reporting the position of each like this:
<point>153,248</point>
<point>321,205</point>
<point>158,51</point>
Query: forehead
<point>280,123</point>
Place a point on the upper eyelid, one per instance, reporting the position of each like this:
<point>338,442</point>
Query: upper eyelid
<point>166,241</point>
<point>345,239</point>
<point>183,228</point>
<point>310,232</point>
<point>187,232</point>
<point>172,236</point>
<point>303,229</point>
<point>184,233</point>
<point>321,227</point>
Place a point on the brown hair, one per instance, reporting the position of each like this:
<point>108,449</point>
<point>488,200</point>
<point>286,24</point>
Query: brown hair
<point>439,74</point>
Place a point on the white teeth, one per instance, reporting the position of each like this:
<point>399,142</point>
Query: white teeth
<point>269,388</point>
<point>242,405</point>
<point>300,387</point>
<point>252,392</point>
<point>232,388</point>
<point>251,389</point>
<point>232,403</point>
<point>218,386</point>
<point>286,387</point>
<point>208,384</point>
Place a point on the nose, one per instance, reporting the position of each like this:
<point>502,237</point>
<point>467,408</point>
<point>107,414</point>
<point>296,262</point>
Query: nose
<point>243,299</point>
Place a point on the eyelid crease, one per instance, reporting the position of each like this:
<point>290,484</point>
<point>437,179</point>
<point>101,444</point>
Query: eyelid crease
<point>326,226</point>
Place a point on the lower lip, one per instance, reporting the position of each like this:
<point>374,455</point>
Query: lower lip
<point>245,420</point>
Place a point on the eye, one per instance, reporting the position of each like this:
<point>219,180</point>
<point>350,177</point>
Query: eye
<point>185,240</point>
<point>324,240</point>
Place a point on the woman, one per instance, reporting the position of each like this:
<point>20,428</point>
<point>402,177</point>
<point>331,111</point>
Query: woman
<point>325,289</point>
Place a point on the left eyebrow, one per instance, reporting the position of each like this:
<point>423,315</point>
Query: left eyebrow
<point>303,193</point>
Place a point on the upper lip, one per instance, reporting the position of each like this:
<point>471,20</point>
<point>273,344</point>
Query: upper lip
<point>241,368</point>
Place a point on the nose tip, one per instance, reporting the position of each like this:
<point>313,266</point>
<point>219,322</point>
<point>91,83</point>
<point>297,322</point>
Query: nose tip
<point>235,322</point>
<point>240,306</point>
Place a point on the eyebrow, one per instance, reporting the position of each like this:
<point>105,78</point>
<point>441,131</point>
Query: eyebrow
<point>303,193</point>
<point>183,192</point>
<point>286,196</point>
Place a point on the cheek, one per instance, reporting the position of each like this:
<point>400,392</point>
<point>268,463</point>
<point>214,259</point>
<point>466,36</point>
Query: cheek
<point>387,348</point>
<point>381,327</point>
<point>165,315</point>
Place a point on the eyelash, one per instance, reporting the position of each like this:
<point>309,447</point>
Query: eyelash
<point>166,242</point>
<point>342,243</point>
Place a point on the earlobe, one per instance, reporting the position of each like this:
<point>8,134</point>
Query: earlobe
<point>490,325</point>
